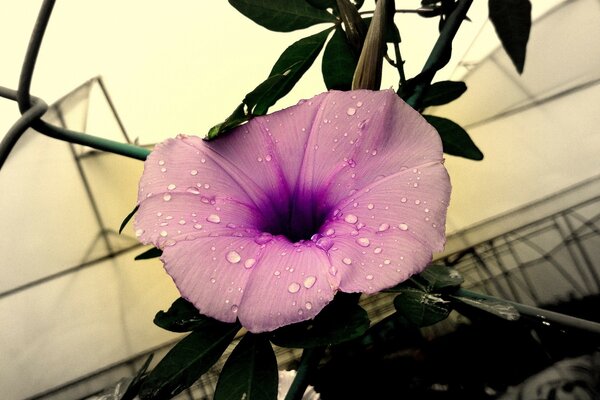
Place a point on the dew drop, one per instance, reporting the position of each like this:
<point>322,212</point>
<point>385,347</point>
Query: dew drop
<point>370,206</point>
<point>333,271</point>
<point>170,243</point>
<point>163,233</point>
<point>159,214</point>
<point>212,280</point>
<point>384,227</point>
<point>347,261</point>
<point>374,152</point>
<point>259,159</point>
<point>268,157</point>
<point>359,104</point>
<point>182,222</point>
<point>167,197</point>
<point>163,169</point>
<point>417,202</point>
<point>214,218</point>
<point>198,226</point>
<point>249,263</point>
<point>192,190</point>
<point>276,273</point>
<point>308,305</point>
<point>263,238</point>
<point>364,242</point>
<point>234,309</point>
<point>351,111</point>
<point>330,232</point>
<point>194,172</point>
<point>351,163</point>
<point>403,200</point>
<point>351,218</point>
<point>369,277</point>
<point>387,262</point>
<point>309,281</point>
<point>403,227</point>
<point>293,287</point>
<point>415,184</point>
<point>426,210</point>
<point>161,162</point>
<point>206,186</point>
<point>171,186</point>
<point>377,250</point>
<point>325,243</point>
<point>233,257</point>
<point>203,160</point>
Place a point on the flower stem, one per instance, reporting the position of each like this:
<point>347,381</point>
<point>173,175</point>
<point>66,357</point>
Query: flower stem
<point>546,316</point>
<point>309,361</point>
<point>440,54</point>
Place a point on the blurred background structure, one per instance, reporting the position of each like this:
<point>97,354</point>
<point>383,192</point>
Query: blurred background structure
<point>524,223</point>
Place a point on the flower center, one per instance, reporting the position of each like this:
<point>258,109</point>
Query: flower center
<point>297,222</point>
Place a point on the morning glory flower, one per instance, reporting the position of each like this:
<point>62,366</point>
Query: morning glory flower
<point>346,191</point>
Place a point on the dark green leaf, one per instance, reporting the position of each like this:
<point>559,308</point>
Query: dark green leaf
<point>182,316</point>
<point>238,117</point>
<point>127,218</point>
<point>421,308</point>
<point>339,62</point>
<point>439,277</point>
<point>456,140</point>
<point>250,371</point>
<point>188,360</point>
<point>338,322</point>
<point>497,308</point>
<point>322,4</point>
<point>264,95</point>
<point>291,65</point>
<point>134,386</point>
<point>282,15</point>
<point>442,93</point>
<point>512,21</point>
<point>152,253</point>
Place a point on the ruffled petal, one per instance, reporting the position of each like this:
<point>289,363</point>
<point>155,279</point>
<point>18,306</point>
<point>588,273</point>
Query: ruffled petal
<point>290,283</point>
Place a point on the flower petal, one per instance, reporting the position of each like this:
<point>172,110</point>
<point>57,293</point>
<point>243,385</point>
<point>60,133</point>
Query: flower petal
<point>289,284</point>
<point>212,272</point>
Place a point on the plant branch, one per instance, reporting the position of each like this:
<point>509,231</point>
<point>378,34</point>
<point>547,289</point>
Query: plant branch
<point>309,361</point>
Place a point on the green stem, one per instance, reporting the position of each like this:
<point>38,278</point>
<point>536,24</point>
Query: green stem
<point>26,101</point>
<point>545,316</point>
<point>309,361</point>
<point>440,54</point>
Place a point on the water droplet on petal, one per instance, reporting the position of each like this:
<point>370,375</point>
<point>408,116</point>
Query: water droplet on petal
<point>206,186</point>
<point>403,227</point>
<point>403,200</point>
<point>263,238</point>
<point>308,305</point>
<point>364,242</point>
<point>347,261</point>
<point>276,273</point>
<point>377,250</point>
<point>234,308</point>
<point>330,232</point>
<point>268,157</point>
<point>192,190</point>
<point>198,226</point>
<point>351,111</point>
<point>163,169</point>
<point>249,263</point>
<point>212,280</point>
<point>351,163</point>
<point>139,232</point>
<point>293,287</point>
<point>214,218</point>
<point>351,218</point>
<point>203,160</point>
<point>233,257</point>
<point>161,162</point>
<point>370,206</point>
<point>167,197</point>
<point>171,186</point>
<point>369,277</point>
<point>384,227</point>
<point>182,222</point>
<point>163,233</point>
<point>325,243</point>
<point>194,172</point>
<point>309,281</point>
<point>387,262</point>
<point>417,202</point>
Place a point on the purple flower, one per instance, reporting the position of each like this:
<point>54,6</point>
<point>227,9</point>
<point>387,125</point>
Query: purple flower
<point>345,191</point>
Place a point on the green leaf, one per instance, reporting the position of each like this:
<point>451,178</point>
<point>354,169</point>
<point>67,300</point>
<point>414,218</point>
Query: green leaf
<point>322,4</point>
<point>338,322</point>
<point>188,360</point>
<point>497,308</point>
<point>182,316</point>
<point>339,62</point>
<point>439,277</point>
<point>152,253</point>
<point>289,67</point>
<point>127,218</point>
<point>134,386</point>
<point>456,140</point>
<point>250,371</point>
<point>421,308</point>
<point>442,93</point>
<point>282,15</point>
<point>238,117</point>
<point>512,21</point>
